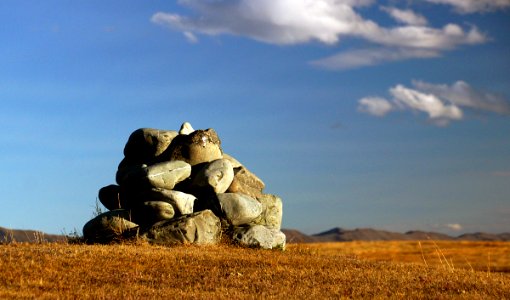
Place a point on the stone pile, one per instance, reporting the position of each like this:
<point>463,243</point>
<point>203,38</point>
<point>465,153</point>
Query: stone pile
<point>179,187</point>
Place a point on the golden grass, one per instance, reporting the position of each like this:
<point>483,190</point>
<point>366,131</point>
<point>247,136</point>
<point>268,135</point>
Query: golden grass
<point>140,271</point>
<point>449,255</point>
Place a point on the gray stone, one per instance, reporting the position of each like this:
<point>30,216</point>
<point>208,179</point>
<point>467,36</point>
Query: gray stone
<point>109,196</point>
<point>258,236</point>
<point>145,144</point>
<point>182,202</point>
<point>151,212</point>
<point>217,174</point>
<point>161,175</point>
<point>167,174</point>
<point>186,128</point>
<point>272,212</point>
<point>197,147</point>
<point>238,208</point>
<point>245,182</point>
<point>108,226</point>
<point>197,228</point>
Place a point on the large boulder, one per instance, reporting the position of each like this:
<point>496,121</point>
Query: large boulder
<point>151,212</point>
<point>197,228</point>
<point>217,175</point>
<point>108,226</point>
<point>109,196</point>
<point>258,236</point>
<point>272,212</point>
<point>145,144</point>
<point>181,202</point>
<point>238,208</point>
<point>194,148</point>
<point>245,182</point>
<point>160,175</point>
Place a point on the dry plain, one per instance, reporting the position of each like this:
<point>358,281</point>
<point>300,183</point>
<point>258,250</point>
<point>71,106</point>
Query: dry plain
<point>424,269</point>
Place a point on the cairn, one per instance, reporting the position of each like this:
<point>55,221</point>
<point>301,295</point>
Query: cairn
<point>180,188</point>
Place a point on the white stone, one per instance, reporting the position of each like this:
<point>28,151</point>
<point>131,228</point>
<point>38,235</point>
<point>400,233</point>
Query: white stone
<point>238,208</point>
<point>186,128</point>
<point>217,174</point>
<point>167,174</point>
<point>182,202</point>
<point>259,236</point>
<point>272,211</point>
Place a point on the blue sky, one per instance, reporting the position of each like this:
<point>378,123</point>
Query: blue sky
<point>389,114</point>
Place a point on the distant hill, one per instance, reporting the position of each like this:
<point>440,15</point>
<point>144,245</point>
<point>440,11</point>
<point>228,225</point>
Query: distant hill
<point>295,236</point>
<point>31,236</point>
<point>369,234</point>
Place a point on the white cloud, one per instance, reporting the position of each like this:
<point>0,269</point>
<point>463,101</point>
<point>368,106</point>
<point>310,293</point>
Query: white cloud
<point>371,56</point>
<point>282,22</point>
<point>473,6</point>
<point>462,94</point>
<point>454,226</point>
<point>405,16</point>
<point>442,103</point>
<point>375,106</point>
<point>288,22</point>
<point>439,112</point>
<point>420,37</point>
<point>190,37</point>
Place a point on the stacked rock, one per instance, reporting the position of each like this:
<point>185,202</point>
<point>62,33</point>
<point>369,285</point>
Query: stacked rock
<point>179,187</point>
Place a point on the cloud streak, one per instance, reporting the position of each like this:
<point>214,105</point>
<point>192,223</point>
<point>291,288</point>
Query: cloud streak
<point>370,57</point>
<point>442,103</point>
<point>474,6</point>
<point>292,22</point>
<point>405,16</point>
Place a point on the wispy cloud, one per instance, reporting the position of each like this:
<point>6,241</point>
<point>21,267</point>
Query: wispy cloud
<point>442,103</point>
<point>454,226</point>
<point>370,57</point>
<point>474,6</point>
<point>375,106</point>
<point>462,94</point>
<point>291,22</point>
<point>405,16</point>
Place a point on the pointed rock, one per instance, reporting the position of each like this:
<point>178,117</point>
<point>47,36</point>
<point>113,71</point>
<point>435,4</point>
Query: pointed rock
<point>186,128</point>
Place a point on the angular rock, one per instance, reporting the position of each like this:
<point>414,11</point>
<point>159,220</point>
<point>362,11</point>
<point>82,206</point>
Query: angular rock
<point>258,236</point>
<point>186,128</point>
<point>108,226</point>
<point>109,196</point>
<point>238,208</point>
<point>197,228</point>
<point>245,182</point>
<point>151,212</point>
<point>272,212</point>
<point>197,147</point>
<point>161,175</point>
<point>145,144</point>
<point>217,174</point>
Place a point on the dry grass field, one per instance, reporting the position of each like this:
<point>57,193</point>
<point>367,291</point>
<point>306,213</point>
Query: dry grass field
<point>350,270</point>
<point>446,255</point>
